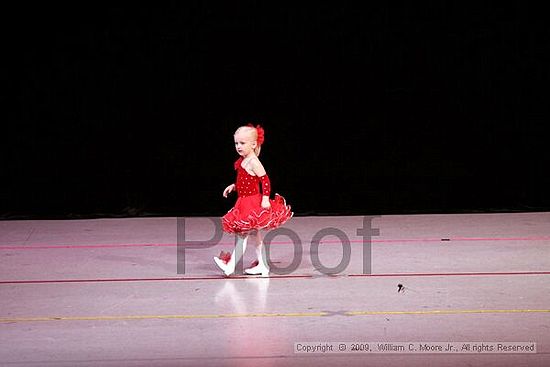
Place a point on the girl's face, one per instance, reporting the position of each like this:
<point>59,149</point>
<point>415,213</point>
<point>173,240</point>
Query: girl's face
<point>244,144</point>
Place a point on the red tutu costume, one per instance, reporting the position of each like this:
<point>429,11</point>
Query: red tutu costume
<point>247,214</point>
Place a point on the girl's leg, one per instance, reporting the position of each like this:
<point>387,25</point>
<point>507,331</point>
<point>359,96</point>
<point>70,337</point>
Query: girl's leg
<point>262,268</point>
<point>240,248</point>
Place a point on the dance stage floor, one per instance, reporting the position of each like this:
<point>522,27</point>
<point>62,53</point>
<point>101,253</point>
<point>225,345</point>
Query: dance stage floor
<point>392,290</point>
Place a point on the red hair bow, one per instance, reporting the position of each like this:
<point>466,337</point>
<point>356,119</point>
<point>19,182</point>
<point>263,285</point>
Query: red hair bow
<point>261,133</point>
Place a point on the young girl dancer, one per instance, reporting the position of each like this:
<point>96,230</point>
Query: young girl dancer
<point>253,210</point>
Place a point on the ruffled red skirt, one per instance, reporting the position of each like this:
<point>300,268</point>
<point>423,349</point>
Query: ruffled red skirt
<point>248,215</point>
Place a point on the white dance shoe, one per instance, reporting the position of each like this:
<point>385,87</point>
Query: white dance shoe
<point>225,267</point>
<point>228,262</point>
<point>259,269</point>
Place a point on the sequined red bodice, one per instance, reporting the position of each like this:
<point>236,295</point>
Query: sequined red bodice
<point>246,184</point>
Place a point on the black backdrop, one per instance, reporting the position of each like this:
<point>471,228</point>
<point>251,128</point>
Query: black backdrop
<point>371,109</point>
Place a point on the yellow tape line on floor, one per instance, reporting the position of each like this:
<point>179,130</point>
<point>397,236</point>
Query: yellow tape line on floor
<point>251,315</point>
<point>438,312</point>
<point>148,317</point>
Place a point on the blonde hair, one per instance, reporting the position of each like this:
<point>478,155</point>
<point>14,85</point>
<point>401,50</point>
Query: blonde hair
<point>253,133</point>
